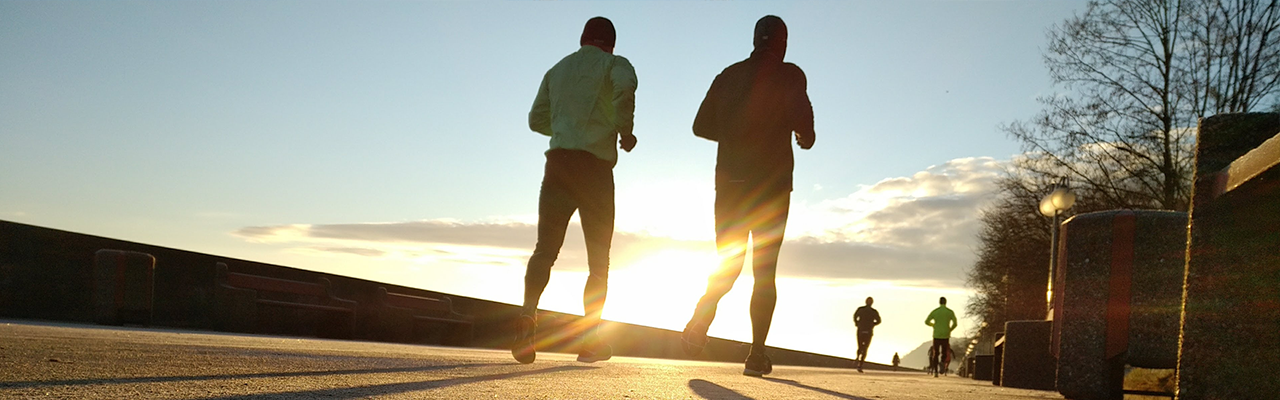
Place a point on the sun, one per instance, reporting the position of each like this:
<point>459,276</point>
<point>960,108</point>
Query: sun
<point>677,209</point>
<point>660,289</point>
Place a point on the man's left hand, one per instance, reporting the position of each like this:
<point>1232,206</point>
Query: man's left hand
<point>627,142</point>
<point>805,141</point>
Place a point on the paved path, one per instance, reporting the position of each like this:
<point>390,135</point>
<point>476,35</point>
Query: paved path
<point>68,361</point>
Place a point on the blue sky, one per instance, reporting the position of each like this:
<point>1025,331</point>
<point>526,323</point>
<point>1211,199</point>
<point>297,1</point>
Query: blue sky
<point>388,140</point>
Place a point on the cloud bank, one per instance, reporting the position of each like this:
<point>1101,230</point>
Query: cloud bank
<point>917,230</point>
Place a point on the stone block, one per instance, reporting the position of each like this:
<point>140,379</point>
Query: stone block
<point>1118,291</point>
<point>1231,309</point>
<point>1027,362</point>
<point>123,287</point>
<point>982,367</point>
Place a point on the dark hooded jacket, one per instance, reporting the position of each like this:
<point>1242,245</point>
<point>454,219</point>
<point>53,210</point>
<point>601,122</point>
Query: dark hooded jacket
<point>751,110</point>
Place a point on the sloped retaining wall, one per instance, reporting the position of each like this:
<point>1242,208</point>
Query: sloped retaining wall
<point>48,274</point>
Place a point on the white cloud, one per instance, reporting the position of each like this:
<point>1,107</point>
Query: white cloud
<point>916,230</point>
<point>901,210</point>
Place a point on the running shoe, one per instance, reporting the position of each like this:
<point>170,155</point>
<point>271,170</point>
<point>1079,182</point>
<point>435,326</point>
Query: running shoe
<point>693,339</point>
<point>593,350</point>
<point>757,365</point>
<point>522,348</point>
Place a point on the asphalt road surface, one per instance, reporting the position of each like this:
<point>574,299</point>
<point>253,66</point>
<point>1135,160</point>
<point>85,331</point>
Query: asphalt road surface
<point>71,361</point>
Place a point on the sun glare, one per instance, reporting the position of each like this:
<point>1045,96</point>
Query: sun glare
<point>652,209</point>
<point>661,289</point>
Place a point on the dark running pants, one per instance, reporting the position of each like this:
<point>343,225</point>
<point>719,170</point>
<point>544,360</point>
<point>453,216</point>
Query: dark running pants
<point>864,341</point>
<point>939,351</point>
<point>744,211</point>
<point>573,180</point>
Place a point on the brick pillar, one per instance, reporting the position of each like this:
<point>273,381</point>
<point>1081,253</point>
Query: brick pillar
<point>1230,340</point>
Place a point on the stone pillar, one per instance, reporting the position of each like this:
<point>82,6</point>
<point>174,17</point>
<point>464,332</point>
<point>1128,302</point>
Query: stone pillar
<point>1027,362</point>
<point>1119,293</point>
<point>983,364</point>
<point>1230,339</point>
<point>123,287</point>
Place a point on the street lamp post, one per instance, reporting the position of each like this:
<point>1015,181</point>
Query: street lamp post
<point>1053,205</point>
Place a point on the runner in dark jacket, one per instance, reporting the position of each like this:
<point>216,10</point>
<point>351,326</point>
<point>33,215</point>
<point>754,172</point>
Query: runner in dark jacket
<point>866,319</point>
<point>753,110</point>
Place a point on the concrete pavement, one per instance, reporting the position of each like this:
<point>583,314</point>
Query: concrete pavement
<point>71,361</point>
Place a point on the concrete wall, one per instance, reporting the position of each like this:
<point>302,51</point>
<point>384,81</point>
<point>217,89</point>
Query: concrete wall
<point>48,274</point>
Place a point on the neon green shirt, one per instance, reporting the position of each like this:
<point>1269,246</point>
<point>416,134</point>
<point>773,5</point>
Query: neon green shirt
<point>585,101</point>
<point>943,321</point>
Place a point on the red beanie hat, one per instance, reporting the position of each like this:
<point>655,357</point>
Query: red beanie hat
<point>599,32</point>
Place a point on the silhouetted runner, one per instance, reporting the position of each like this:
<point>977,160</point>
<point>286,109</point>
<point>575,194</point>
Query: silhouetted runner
<point>945,363</point>
<point>896,361</point>
<point>586,105</point>
<point>866,319</point>
<point>943,321</point>
<point>933,361</point>
<point>752,109</point>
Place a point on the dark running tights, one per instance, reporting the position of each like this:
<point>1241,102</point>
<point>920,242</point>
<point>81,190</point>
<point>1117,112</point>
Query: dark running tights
<point>743,212</point>
<point>573,180</point>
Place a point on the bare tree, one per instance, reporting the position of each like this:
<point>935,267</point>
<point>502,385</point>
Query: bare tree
<point>1121,128</point>
<point>1138,75</point>
<point>1011,269</point>
<point>1231,61</point>
<point>1011,273</point>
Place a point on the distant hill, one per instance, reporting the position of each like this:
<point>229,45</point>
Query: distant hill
<point>919,358</point>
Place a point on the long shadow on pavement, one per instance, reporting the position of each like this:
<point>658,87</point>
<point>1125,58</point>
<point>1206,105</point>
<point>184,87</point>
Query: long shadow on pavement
<point>816,389</point>
<point>160,379</point>
<point>360,392</point>
<point>711,391</point>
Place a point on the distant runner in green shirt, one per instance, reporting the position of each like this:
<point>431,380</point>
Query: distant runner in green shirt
<point>943,321</point>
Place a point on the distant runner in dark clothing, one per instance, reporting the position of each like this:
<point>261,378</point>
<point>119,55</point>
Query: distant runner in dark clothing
<point>753,110</point>
<point>866,319</point>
